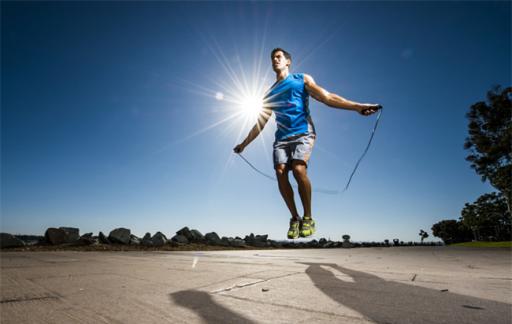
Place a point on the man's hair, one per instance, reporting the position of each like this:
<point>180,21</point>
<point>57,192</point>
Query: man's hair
<point>278,49</point>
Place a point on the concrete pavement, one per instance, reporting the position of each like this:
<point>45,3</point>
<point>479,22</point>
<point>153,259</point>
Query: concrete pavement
<point>364,285</point>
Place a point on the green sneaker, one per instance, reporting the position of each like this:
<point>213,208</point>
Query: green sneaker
<point>307,227</point>
<point>293,231</point>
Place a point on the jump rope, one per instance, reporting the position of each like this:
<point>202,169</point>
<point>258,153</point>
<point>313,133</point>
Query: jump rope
<point>321,190</point>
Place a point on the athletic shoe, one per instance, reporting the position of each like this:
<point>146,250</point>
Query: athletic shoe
<point>307,227</point>
<point>293,231</point>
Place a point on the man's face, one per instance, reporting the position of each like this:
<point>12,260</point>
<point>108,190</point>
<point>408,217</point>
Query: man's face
<point>280,62</point>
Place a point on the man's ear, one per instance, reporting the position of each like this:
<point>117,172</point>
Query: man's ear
<point>289,62</point>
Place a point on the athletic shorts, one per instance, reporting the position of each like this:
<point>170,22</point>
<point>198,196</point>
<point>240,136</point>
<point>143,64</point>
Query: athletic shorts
<point>298,147</point>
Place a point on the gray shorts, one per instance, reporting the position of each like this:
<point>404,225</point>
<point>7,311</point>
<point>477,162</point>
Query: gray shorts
<point>298,147</point>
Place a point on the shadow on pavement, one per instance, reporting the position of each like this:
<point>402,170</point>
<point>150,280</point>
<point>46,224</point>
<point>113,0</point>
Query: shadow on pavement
<point>210,311</point>
<point>393,302</point>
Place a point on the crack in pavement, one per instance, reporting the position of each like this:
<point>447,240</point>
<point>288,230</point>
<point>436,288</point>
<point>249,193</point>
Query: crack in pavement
<point>240,286</point>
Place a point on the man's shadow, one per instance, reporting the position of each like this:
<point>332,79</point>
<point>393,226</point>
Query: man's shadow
<point>375,298</point>
<point>393,302</point>
<point>208,309</point>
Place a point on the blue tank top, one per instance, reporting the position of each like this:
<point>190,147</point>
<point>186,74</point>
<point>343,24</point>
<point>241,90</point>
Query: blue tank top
<point>289,100</point>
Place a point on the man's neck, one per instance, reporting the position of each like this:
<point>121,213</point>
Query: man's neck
<point>281,75</point>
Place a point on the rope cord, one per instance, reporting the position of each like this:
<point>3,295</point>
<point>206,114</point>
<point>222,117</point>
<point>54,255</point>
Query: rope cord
<point>321,190</point>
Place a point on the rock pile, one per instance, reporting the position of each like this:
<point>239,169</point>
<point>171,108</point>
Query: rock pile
<point>70,236</point>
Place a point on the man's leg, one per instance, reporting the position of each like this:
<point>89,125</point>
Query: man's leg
<point>286,189</point>
<point>301,175</point>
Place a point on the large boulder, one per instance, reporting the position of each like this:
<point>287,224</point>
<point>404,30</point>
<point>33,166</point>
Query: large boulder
<point>212,238</point>
<point>72,234</point>
<point>103,238</point>
<point>62,235</point>
<point>134,240</point>
<point>7,240</point>
<point>146,240</point>
<point>159,239</point>
<point>329,244</point>
<point>185,231</point>
<point>237,242</point>
<point>196,236</point>
<point>192,235</point>
<point>181,239</point>
<point>120,236</point>
<point>275,244</point>
<point>312,244</point>
<point>85,239</point>
<point>55,236</point>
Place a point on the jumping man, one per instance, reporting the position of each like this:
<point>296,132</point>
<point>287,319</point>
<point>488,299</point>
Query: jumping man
<point>288,98</point>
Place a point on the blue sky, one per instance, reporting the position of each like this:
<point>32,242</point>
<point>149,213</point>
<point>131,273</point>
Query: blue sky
<point>110,118</point>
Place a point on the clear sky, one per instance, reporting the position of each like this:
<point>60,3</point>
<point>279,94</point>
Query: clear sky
<point>125,114</point>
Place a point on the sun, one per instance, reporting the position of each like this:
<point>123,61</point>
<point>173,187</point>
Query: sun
<point>252,106</point>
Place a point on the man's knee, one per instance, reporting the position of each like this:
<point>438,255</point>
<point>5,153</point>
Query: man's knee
<point>299,168</point>
<point>282,171</point>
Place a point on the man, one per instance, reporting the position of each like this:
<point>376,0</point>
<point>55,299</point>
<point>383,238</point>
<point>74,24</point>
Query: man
<point>288,98</point>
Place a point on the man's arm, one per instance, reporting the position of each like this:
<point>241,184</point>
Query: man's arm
<point>255,131</point>
<point>335,101</point>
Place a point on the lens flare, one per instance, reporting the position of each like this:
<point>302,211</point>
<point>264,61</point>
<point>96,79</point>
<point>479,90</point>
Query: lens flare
<point>252,105</point>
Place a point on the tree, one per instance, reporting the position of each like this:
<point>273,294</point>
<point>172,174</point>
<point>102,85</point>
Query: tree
<point>488,216</point>
<point>423,235</point>
<point>451,231</point>
<point>490,140</point>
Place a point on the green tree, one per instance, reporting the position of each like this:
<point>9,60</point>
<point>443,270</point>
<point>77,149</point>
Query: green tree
<point>488,216</point>
<point>490,140</point>
<point>423,235</point>
<point>451,231</point>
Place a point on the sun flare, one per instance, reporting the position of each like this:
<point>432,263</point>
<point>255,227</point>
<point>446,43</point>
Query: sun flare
<point>252,106</point>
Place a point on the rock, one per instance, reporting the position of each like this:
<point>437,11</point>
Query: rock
<point>134,240</point>
<point>249,238</point>
<point>85,239</point>
<point>346,245</point>
<point>159,239</point>
<point>212,238</point>
<point>322,241</point>
<point>261,238</point>
<point>224,241</point>
<point>257,241</point>
<point>31,239</point>
<point>103,239</point>
<point>276,244</point>
<point>146,240</point>
<point>7,240</point>
<point>329,244</point>
<point>72,234</point>
<point>258,244</point>
<point>55,236</point>
<point>237,243</point>
<point>312,244</point>
<point>173,243</point>
<point>196,236</point>
<point>120,235</point>
<point>185,232</point>
<point>182,239</point>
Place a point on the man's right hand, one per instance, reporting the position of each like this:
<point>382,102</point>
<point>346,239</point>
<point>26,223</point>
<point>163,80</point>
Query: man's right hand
<point>239,148</point>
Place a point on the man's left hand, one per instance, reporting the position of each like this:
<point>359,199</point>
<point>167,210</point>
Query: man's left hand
<point>369,109</point>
